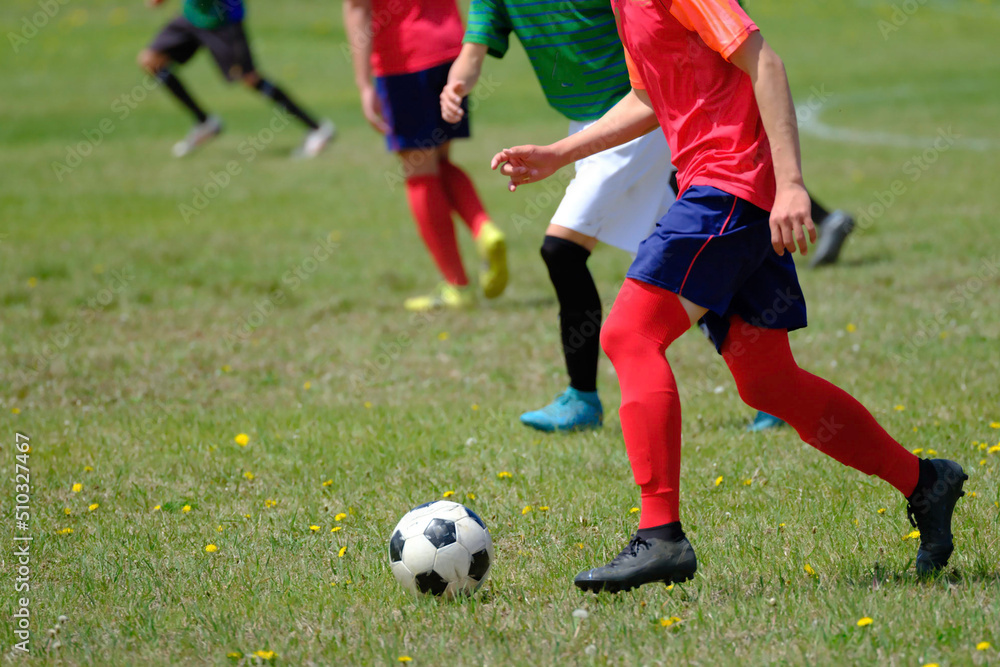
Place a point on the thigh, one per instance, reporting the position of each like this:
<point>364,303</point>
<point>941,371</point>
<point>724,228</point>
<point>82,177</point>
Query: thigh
<point>230,48</point>
<point>411,106</point>
<point>178,40</point>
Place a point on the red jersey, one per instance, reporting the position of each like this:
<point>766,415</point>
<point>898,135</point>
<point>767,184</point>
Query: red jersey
<point>678,50</point>
<point>413,35</point>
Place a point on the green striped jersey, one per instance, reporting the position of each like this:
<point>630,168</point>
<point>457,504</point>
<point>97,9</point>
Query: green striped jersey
<point>573,46</point>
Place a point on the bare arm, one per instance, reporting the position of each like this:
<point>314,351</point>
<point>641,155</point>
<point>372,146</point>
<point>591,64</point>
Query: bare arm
<point>791,212</point>
<point>631,118</point>
<point>462,78</point>
<point>358,23</point>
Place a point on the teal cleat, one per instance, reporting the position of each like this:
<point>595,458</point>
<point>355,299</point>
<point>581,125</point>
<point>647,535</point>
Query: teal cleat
<point>571,411</point>
<point>763,422</point>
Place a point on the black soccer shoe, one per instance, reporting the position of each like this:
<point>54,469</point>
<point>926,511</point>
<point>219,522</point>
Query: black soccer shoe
<point>930,511</point>
<point>643,561</point>
<point>833,232</point>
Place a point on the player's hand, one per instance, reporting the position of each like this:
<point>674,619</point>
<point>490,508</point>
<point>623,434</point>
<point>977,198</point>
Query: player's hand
<point>372,108</point>
<point>526,164</point>
<point>451,101</point>
<point>790,215</point>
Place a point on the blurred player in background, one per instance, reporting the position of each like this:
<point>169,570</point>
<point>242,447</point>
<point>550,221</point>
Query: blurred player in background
<point>615,196</point>
<point>218,26</point>
<point>402,52</point>
<point>722,255</point>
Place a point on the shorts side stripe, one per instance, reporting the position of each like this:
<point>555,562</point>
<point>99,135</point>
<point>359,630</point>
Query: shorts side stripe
<point>695,259</point>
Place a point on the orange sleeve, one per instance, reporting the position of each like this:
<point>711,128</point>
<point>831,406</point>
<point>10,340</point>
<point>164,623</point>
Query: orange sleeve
<point>722,24</point>
<point>633,72</point>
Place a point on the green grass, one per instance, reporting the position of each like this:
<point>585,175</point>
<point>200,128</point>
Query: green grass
<point>136,323</point>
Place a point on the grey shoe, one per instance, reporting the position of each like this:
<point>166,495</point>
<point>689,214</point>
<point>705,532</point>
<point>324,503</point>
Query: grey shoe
<point>834,230</point>
<point>199,134</point>
<point>641,562</point>
<point>930,511</point>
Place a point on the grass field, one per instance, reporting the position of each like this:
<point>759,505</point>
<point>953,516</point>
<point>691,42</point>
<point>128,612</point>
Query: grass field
<point>137,342</point>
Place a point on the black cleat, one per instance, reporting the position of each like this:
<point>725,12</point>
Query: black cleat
<point>833,232</point>
<point>930,512</point>
<point>643,561</point>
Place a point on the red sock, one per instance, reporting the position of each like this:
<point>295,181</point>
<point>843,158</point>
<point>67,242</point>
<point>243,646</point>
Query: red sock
<point>825,416</point>
<point>432,212</point>
<point>462,196</point>
<point>643,322</point>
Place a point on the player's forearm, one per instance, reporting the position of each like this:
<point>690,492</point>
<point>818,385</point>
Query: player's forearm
<point>468,66</point>
<point>777,111</point>
<point>357,22</point>
<point>631,118</point>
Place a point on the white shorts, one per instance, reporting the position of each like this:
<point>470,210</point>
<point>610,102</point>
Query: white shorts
<point>618,195</point>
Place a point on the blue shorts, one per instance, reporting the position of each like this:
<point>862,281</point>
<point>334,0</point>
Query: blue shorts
<point>411,106</point>
<point>714,249</point>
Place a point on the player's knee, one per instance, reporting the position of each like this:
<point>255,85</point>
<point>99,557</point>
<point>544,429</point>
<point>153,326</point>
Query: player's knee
<point>617,337</point>
<point>251,80</point>
<point>149,61</point>
<point>558,253</point>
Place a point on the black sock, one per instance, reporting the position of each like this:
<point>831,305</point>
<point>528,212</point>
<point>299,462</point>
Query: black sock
<point>671,532</point>
<point>819,214</point>
<point>174,85</point>
<point>579,309</point>
<point>268,89</point>
<point>926,479</point>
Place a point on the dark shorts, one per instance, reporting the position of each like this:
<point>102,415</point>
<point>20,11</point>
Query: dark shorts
<point>714,249</point>
<point>180,40</point>
<point>411,106</point>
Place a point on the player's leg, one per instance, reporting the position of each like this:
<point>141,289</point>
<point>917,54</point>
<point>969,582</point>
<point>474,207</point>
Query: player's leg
<point>175,45</point>
<point>834,228</point>
<point>832,421</point>
<point>432,211</point>
<point>491,244</point>
<point>565,253</point>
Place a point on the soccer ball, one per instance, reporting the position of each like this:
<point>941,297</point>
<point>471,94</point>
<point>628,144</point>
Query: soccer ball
<point>441,548</point>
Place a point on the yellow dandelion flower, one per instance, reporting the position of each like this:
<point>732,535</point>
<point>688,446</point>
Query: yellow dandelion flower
<point>266,655</point>
<point>918,450</point>
<point>899,408</point>
<point>77,488</point>
<point>931,664</point>
<point>809,570</point>
<point>527,508</point>
<point>503,474</point>
<point>718,480</point>
<point>667,622</point>
<point>307,385</point>
<point>781,525</point>
<point>234,655</point>
<point>242,439</point>
<point>249,475</point>
<point>443,335</point>
<point>470,496</point>
<point>340,516</point>
<point>270,502</point>
<point>994,424</point>
<point>32,281</point>
<point>156,508</point>
<point>211,548</point>
<point>186,509</point>
<point>404,658</point>
<point>862,622</point>
<point>983,446</point>
<point>246,516</point>
<point>670,587</point>
<point>92,507</point>
<point>881,510</point>
<point>328,482</point>
<point>982,462</point>
<point>931,452</point>
<point>915,429</point>
<point>88,469</point>
<point>343,550</point>
<point>543,508</point>
<point>336,528</point>
<point>226,368</point>
<point>579,545</point>
<point>851,327</point>
<point>983,646</point>
<point>219,528</point>
<point>66,531</point>
<point>447,494</point>
<point>633,510</point>
<point>314,528</point>
<point>747,482</point>
<point>368,404</point>
<point>973,494</point>
<point>912,535</point>
<point>994,449</point>
<point>475,406</point>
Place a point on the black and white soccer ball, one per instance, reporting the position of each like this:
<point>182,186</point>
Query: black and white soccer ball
<point>441,548</point>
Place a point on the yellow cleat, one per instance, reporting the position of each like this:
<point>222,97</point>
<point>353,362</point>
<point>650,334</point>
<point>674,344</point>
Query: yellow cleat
<point>492,246</point>
<point>443,296</point>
